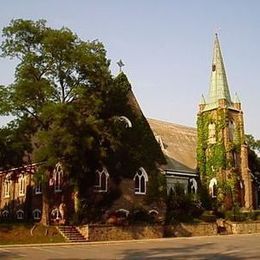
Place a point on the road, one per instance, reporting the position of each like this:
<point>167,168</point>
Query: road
<point>217,247</point>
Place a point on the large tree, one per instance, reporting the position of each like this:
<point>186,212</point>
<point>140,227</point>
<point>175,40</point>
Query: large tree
<point>77,112</point>
<point>59,85</point>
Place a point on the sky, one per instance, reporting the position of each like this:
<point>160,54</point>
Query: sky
<point>166,47</point>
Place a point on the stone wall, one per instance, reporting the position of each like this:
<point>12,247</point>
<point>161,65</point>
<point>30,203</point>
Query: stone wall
<point>108,232</point>
<point>243,227</point>
<point>188,230</point>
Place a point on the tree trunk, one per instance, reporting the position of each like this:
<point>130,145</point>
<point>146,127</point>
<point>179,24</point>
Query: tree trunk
<point>45,220</point>
<point>76,200</point>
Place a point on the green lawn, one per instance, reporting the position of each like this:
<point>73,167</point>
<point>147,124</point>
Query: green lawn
<point>21,234</point>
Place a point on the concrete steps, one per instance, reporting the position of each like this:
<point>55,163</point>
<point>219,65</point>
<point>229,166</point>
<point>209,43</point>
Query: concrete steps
<point>71,234</point>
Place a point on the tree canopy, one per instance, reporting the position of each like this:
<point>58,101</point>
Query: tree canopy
<point>68,106</point>
<point>253,143</point>
<point>253,158</point>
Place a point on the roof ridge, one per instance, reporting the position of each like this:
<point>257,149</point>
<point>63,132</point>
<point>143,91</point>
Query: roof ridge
<point>171,123</point>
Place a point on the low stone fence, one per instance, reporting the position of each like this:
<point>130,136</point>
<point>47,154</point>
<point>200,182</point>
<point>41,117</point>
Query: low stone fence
<point>243,227</point>
<point>107,232</point>
<point>189,230</point>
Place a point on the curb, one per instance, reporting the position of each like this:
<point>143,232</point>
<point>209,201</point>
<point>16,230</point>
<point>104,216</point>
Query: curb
<point>94,243</point>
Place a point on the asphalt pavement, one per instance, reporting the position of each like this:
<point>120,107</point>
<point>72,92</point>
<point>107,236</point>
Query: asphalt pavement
<point>212,247</point>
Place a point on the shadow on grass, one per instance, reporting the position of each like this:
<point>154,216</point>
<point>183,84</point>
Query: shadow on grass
<point>22,234</point>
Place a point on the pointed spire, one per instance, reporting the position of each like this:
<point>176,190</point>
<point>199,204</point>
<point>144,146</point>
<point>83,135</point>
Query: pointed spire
<point>218,82</point>
<point>202,100</point>
<point>236,98</point>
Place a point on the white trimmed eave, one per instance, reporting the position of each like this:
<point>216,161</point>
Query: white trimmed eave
<point>181,173</point>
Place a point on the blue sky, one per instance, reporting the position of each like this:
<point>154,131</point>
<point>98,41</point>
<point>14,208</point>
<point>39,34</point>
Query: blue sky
<point>165,45</point>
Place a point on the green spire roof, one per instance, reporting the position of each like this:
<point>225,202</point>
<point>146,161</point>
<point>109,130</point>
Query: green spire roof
<point>218,82</point>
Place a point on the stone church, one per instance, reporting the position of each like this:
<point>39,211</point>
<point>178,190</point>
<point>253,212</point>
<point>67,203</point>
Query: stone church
<point>214,154</point>
<point>221,151</point>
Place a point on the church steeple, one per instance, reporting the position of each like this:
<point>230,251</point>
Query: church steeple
<point>222,154</point>
<point>219,89</point>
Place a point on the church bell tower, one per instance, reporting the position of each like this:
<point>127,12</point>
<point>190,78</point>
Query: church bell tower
<point>222,154</point>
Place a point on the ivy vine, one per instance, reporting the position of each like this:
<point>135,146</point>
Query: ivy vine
<point>212,158</point>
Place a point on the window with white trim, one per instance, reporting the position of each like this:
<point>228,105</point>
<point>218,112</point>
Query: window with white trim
<point>57,176</point>
<point>5,214</point>
<point>21,185</point>
<point>153,212</point>
<point>213,187</point>
<point>101,181</point>
<point>37,214</point>
<point>211,133</point>
<point>20,214</point>
<point>140,180</point>
<point>7,184</point>
<point>55,214</point>
<point>38,188</point>
<point>123,212</point>
<point>193,185</point>
<point>231,127</point>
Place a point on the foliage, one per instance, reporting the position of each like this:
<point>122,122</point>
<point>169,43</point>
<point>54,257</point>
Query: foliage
<point>156,189</point>
<point>253,158</point>
<point>56,68</point>
<point>67,106</point>
<point>205,198</point>
<point>139,215</point>
<point>15,145</point>
<point>211,157</point>
<point>252,142</point>
<point>181,207</point>
<point>208,216</point>
<point>237,215</point>
<point>215,158</point>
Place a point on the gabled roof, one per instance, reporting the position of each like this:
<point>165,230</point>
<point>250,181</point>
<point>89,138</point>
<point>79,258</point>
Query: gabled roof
<point>178,145</point>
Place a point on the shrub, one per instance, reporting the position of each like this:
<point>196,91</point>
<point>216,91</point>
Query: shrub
<point>181,207</point>
<point>139,215</point>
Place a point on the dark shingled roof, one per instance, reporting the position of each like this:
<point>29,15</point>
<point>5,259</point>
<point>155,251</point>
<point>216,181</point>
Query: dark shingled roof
<point>178,145</point>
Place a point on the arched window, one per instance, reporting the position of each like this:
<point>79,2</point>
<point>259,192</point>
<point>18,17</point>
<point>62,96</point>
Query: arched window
<point>193,186</point>
<point>7,184</point>
<point>123,212</point>
<point>5,214</point>
<point>211,133</point>
<point>37,214</point>
<point>234,158</point>
<point>38,188</point>
<point>213,187</point>
<point>140,180</point>
<point>20,214</point>
<point>57,177</point>
<point>21,185</point>
<point>231,130</point>
<point>55,214</point>
<point>101,180</point>
<point>153,212</point>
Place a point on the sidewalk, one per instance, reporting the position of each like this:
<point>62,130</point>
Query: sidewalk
<point>93,243</point>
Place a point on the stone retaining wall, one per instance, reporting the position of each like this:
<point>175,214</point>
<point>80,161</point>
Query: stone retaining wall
<point>107,232</point>
<point>243,227</point>
<point>188,230</point>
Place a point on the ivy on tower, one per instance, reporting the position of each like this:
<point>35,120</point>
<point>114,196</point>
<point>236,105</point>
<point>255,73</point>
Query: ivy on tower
<point>221,150</point>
